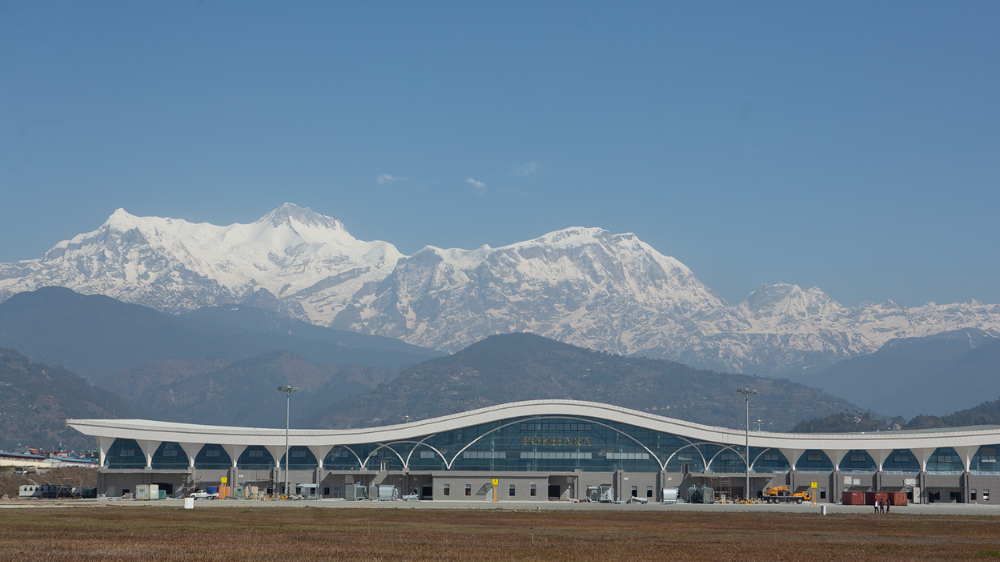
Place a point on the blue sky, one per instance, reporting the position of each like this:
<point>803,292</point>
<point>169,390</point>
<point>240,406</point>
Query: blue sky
<point>850,146</point>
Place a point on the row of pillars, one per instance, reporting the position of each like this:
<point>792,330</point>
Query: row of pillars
<point>880,455</point>
<point>192,449</point>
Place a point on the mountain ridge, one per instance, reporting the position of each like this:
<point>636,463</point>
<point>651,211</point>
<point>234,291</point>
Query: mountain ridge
<point>515,367</point>
<point>580,285</point>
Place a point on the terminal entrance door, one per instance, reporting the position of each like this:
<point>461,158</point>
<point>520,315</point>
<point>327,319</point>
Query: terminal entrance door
<point>555,491</point>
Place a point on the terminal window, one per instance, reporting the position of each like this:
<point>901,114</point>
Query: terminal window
<point>814,457</point>
<point>986,494</point>
<point>901,458</point>
<point>988,455</point>
<point>534,490</point>
<point>297,454</point>
<point>972,494</point>
<point>635,491</point>
<point>857,458</point>
<point>213,453</point>
<point>510,492</point>
<point>628,456</point>
<point>255,454</point>
<point>649,491</point>
<point>468,489</point>
<point>484,455</point>
<point>556,427</point>
<point>447,489</point>
<point>427,454</point>
<point>126,453</point>
<point>771,457</point>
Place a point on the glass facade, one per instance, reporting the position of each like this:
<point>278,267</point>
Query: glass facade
<point>946,460</point>
<point>901,461</point>
<point>125,454</point>
<point>170,455</point>
<point>985,460</point>
<point>255,458</point>
<point>857,461</point>
<point>548,444</point>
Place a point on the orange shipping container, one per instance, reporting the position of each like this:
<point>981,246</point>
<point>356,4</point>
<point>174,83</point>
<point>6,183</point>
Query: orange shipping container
<point>853,498</point>
<point>897,498</point>
<point>870,497</point>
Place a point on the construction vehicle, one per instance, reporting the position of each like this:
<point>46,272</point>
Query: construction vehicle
<point>781,494</point>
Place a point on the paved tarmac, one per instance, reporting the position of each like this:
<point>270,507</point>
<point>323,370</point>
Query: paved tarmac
<point>921,509</point>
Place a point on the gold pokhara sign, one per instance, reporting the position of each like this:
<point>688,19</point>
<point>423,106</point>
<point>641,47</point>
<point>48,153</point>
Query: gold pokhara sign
<point>557,441</point>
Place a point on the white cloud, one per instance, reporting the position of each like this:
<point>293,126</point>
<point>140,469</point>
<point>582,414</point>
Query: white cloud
<point>479,186</point>
<point>525,170</point>
<point>386,179</point>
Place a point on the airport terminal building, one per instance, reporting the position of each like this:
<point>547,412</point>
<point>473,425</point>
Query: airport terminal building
<point>547,450</point>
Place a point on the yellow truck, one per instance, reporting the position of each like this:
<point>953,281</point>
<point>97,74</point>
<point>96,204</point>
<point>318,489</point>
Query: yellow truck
<point>781,494</point>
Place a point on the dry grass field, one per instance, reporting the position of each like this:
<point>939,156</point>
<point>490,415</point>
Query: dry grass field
<point>302,533</point>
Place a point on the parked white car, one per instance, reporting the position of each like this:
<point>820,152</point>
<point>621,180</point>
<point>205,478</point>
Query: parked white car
<point>203,495</point>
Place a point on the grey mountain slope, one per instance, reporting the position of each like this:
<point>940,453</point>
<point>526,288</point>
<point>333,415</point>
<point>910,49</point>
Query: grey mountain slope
<point>517,367</point>
<point>931,375</point>
<point>215,391</point>
<point>252,318</point>
<point>36,400</point>
<point>97,336</point>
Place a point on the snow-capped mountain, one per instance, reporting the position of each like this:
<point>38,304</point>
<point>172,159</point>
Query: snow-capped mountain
<point>174,265</point>
<point>585,286</point>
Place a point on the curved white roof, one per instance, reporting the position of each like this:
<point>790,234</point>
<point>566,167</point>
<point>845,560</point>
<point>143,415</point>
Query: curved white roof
<point>244,436</point>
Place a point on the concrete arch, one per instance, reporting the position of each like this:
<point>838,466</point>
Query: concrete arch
<point>731,448</point>
<point>335,447</point>
<point>704,463</point>
<point>382,446</point>
<point>406,465</point>
<point>585,420</point>
<point>760,454</point>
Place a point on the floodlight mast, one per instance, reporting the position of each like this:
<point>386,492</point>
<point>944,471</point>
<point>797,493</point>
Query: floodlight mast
<point>746,392</point>
<point>288,390</point>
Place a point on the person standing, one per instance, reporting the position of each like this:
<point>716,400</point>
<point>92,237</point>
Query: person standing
<point>887,504</point>
<point>876,506</point>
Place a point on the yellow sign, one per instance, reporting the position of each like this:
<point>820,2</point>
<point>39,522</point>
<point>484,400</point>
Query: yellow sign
<point>223,479</point>
<point>496,481</point>
<point>813,485</point>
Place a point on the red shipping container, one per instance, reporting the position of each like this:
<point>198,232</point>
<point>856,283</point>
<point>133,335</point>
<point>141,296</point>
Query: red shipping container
<point>897,498</point>
<point>853,498</point>
<point>870,497</point>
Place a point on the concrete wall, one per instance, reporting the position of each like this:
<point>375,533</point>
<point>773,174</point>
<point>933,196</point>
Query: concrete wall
<point>568,486</point>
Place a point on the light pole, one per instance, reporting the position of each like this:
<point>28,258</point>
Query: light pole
<point>759,423</point>
<point>746,392</point>
<point>288,390</point>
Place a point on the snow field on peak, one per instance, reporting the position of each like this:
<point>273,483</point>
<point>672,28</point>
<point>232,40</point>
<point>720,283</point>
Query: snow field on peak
<point>584,286</point>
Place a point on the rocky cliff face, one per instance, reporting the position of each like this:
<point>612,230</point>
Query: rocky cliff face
<point>583,286</point>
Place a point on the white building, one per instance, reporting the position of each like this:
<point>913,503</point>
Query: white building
<point>548,449</point>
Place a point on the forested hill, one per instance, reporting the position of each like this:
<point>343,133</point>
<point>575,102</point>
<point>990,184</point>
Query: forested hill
<point>514,367</point>
<point>987,413</point>
<point>36,400</point>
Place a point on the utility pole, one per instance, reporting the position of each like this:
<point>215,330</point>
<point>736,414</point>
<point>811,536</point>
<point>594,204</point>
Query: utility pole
<point>746,392</point>
<point>288,390</point>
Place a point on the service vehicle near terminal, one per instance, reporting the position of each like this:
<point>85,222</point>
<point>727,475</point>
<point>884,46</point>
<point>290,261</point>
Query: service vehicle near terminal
<point>203,495</point>
<point>781,494</point>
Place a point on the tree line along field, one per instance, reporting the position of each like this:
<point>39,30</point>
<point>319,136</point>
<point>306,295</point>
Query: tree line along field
<point>303,533</point>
